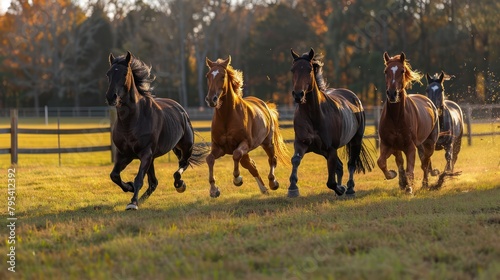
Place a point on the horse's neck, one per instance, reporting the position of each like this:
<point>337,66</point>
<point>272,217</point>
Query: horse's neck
<point>314,106</point>
<point>396,111</point>
<point>130,108</point>
<point>230,101</point>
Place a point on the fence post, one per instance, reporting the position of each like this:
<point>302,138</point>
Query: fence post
<point>13,137</point>
<point>469,117</point>
<point>112,121</point>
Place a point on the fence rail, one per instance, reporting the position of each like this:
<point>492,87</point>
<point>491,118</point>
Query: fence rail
<point>372,116</point>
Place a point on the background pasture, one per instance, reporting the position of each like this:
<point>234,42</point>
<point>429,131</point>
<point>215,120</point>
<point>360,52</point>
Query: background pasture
<point>72,223</point>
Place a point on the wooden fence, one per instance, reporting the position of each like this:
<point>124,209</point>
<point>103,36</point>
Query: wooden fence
<point>14,131</point>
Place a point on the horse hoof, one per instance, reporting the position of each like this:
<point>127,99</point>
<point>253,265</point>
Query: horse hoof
<point>409,190</point>
<point>215,194</point>
<point>293,193</point>
<point>274,186</point>
<point>132,206</point>
<point>340,190</point>
<point>435,172</point>
<point>180,186</point>
<point>391,174</point>
<point>238,181</point>
<point>265,192</point>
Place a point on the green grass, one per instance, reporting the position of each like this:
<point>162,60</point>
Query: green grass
<point>72,224</point>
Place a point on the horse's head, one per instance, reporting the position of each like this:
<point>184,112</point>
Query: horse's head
<point>435,90</point>
<point>394,76</point>
<point>303,75</point>
<point>216,80</point>
<point>119,78</point>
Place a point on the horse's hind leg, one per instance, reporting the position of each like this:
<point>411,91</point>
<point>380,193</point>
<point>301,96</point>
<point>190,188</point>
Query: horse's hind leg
<point>249,164</point>
<point>152,181</point>
<point>120,164</point>
<point>182,156</point>
<point>456,149</point>
<point>332,162</point>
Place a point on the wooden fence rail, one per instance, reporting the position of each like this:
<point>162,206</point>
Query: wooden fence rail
<point>14,131</point>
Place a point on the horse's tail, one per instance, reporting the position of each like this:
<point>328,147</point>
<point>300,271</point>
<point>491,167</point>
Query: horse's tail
<point>280,149</point>
<point>364,162</point>
<point>200,152</point>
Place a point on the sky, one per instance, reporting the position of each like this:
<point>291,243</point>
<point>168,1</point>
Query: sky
<point>4,4</point>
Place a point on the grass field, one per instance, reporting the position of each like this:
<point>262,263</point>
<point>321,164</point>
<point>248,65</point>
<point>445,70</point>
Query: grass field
<point>72,224</point>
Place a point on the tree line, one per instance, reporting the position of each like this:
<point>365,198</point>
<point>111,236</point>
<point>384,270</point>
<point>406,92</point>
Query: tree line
<point>55,52</point>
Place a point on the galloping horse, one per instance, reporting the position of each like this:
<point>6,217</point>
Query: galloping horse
<point>146,127</point>
<point>326,119</point>
<point>240,125</point>
<point>407,123</point>
<point>451,121</point>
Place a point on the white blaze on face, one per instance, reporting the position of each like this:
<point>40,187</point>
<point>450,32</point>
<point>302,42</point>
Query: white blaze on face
<point>434,88</point>
<point>215,72</point>
<point>394,69</point>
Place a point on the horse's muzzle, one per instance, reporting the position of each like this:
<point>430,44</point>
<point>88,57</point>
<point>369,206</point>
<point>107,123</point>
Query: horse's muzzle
<point>392,96</point>
<point>299,97</point>
<point>212,102</point>
<point>111,100</point>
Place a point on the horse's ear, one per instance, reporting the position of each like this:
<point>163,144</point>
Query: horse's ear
<point>386,57</point>
<point>111,58</point>
<point>402,57</point>
<point>128,58</point>
<point>209,63</point>
<point>441,77</point>
<point>294,54</point>
<point>311,54</point>
<point>226,62</point>
<point>428,77</point>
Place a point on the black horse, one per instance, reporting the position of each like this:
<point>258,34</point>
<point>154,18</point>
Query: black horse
<point>146,127</point>
<point>325,120</point>
<point>451,122</point>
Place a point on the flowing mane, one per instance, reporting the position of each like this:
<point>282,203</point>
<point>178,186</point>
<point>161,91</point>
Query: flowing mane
<point>318,72</point>
<point>411,75</point>
<point>142,75</point>
<point>235,77</point>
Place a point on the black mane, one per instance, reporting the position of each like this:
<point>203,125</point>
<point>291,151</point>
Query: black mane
<point>142,75</point>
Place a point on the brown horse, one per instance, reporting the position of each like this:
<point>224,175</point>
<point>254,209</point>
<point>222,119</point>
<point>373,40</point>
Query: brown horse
<point>407,123</point>
<point>325,120</point>
<point>240,125</point>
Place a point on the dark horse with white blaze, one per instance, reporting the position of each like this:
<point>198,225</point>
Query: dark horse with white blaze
<point>240,125</point>
<point>451,123</point>
<point>407,123</point>
<point>325,120</point>
<point>146,127</point>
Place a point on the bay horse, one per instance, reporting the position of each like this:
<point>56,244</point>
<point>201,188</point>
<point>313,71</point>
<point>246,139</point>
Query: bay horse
<point>146,127</point>
<point>239,125</point>
<point>451,123</point>
<point>325,120</point>
<point>407,122</point>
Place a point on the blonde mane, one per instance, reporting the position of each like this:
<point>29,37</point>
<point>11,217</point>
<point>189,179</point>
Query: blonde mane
<point>235,77</point>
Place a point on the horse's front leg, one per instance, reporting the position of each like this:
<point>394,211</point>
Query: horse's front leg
<point>332,162</point>
<point>238,153</point>
<point>427,151</point>
<point>410,167</point>
<point>403,181</point>
<point>385,153</point>
<point>146,157</point>
<point>121,161</point>
<point>215,153</point>
<point>300,149</point>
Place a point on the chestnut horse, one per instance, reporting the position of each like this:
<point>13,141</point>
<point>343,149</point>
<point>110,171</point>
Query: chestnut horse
<point>451,123</point>
<point>407,123</point>
<point>146,127</point>
<point>240,125</point>
<point>325,120</point>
